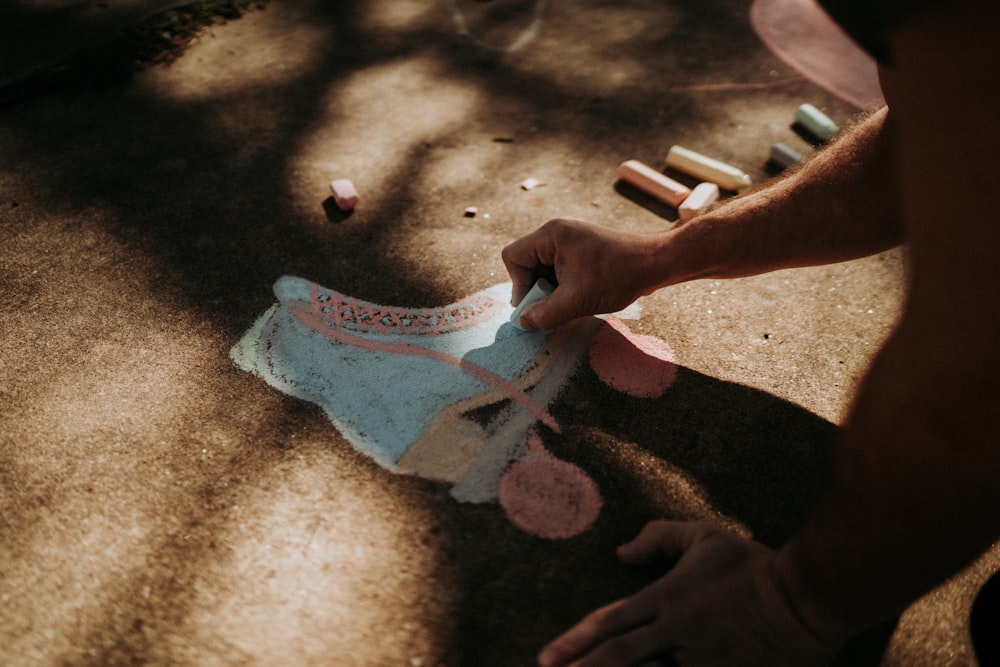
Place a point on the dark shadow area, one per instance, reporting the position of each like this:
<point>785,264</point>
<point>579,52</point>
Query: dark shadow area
<point>752,457</point>
<point>758,459</point>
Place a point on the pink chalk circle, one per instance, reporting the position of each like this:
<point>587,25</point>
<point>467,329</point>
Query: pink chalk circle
<point>549,498</point>
<point>634,364</point>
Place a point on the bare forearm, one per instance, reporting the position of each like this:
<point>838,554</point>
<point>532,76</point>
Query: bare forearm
<point>838,206</point>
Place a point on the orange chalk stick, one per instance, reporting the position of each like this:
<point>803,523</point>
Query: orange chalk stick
<point>653,182</point>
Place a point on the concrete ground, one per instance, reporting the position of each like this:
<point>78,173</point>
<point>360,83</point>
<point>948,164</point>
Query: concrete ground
<point>160,506</point>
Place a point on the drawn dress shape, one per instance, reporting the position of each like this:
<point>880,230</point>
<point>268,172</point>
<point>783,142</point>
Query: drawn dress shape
<point>398,383</point>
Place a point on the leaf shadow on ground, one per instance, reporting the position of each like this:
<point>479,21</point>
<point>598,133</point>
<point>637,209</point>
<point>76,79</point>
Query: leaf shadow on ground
<point>208,220</point>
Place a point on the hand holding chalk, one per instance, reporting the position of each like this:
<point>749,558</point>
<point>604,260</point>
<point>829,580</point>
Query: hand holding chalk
<point>539,291</point>
<point>597,270</point>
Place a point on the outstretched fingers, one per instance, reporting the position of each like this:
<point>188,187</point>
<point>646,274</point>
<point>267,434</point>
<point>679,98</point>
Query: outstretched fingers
<point>667,540</point>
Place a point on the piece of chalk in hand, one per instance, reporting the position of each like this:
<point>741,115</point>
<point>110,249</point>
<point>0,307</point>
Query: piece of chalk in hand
<point>704,195</point>
<point>707,169</point>
<point>344,194</point>
<point>541,289</point>
<point>653,183</point>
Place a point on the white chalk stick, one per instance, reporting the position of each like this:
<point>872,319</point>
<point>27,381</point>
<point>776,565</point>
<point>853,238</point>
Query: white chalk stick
<point>344,194</point>
<point>541,289</point>
<point>703,195</point>
<point>653,183</point>
<point>707,169</point>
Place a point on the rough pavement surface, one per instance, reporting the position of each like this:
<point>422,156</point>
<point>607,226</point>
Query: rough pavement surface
<point>160,506</point>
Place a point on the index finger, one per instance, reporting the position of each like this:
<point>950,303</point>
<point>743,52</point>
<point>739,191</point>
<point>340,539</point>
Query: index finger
<point>526,259</point>
<point>663,538</point>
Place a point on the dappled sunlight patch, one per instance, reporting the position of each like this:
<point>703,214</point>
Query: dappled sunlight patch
<point>94,494</point>
<point>70,567</point>
<point>362,130</point>
<point>262,50</point>
<point>398,15</point>
<point>318,568</point>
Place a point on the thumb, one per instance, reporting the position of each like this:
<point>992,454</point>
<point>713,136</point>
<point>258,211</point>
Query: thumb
<point>660,539</point>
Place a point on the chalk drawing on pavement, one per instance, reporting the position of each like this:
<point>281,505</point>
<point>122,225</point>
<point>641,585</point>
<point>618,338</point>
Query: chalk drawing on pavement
<point>400,385</point>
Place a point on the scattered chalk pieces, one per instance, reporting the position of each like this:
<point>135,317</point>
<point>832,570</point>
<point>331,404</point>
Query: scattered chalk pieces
<point>530,183</point>
<point>344,194</point>
<point>471,211</point>
<point>652,182</point>
<point>817,122</point>
<point>702,196</point>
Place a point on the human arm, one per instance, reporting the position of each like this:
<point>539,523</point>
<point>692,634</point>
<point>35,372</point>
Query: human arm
<point>802,219</point>
<point>913,495</point>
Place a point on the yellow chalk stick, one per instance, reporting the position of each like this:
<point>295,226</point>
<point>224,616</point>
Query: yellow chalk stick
<point>707,169</point>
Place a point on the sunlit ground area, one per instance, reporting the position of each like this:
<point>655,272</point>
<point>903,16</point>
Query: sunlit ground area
<point>159,505</point>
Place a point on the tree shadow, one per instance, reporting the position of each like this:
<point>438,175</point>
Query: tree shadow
<point>212,222</point>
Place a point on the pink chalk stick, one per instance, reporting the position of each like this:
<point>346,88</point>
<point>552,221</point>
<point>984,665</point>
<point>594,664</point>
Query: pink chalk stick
<point>344,194</point>
<point>653,182</point>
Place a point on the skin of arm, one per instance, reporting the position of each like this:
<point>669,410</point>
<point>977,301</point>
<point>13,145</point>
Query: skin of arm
<point>913,495</point>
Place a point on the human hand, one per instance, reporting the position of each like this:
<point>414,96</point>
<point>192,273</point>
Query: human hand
<point>595,269</point>
<point>718,604</point>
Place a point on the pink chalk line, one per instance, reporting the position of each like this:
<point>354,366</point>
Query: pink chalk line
<point>727,86</point>
<point>314,317</point>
